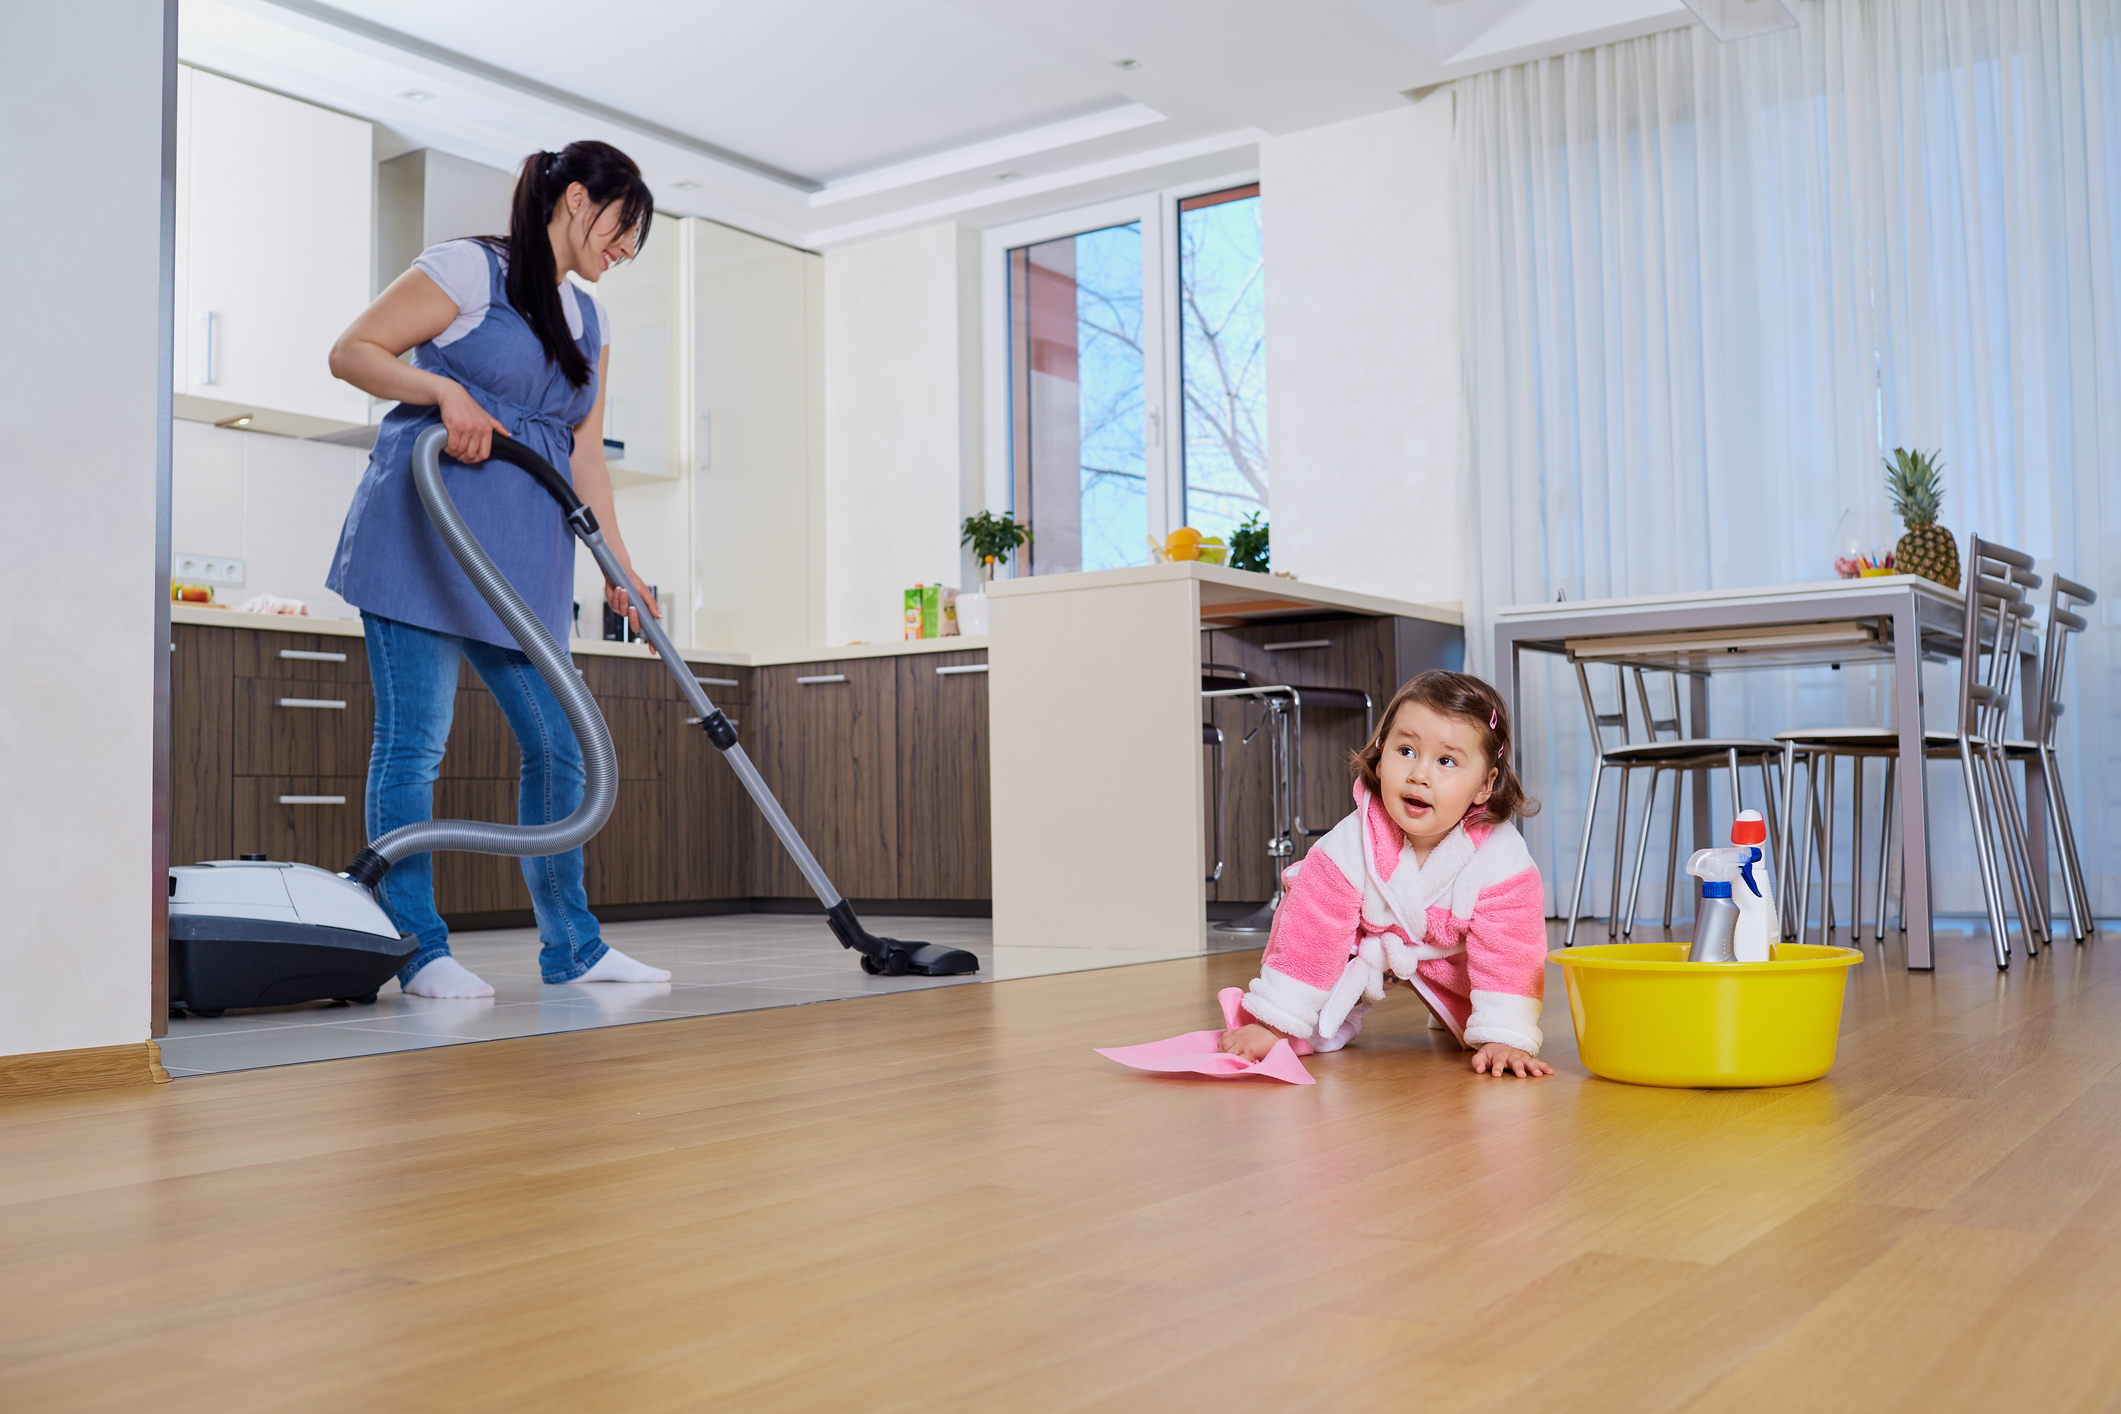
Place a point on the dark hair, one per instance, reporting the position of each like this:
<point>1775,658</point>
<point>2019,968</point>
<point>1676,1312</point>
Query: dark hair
<point>611,178</point>
<point>1469,700</point>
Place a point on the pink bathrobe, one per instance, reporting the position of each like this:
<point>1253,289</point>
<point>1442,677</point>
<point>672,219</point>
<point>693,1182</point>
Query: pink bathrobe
<point>1347,926</point>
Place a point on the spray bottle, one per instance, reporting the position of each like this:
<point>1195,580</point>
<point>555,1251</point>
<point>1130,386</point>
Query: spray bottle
<point>1737,920</point>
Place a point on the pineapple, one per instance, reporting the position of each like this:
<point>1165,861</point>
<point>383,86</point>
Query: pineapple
<point>1915,482</point>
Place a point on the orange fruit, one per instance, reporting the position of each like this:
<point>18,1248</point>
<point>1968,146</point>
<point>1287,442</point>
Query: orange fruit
<point>1183,543</point>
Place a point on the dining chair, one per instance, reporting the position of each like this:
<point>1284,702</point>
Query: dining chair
<point>1760,753</point>
<point>1996,578</point>
<point>2065,596</point>
<point>1654,755</point>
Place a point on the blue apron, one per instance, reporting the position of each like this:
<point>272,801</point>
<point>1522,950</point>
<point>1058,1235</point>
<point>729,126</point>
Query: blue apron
<point>391,562</point>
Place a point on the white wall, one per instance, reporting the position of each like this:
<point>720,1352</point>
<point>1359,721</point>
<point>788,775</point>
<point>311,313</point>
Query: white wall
<point>82,373</point>
<point>1365,399</point>
<point>276,501</point>
<point>902,422</point>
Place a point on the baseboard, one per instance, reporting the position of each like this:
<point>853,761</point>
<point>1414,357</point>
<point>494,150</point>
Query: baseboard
<point>69,1072</point>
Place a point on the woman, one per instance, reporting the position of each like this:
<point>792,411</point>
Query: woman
<point>502,346</point>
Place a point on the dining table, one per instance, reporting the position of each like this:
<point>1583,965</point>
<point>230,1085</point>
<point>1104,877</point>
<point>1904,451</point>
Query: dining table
<point>1901,618</point>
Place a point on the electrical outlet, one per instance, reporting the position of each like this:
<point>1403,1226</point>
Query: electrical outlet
<point>207,569</point>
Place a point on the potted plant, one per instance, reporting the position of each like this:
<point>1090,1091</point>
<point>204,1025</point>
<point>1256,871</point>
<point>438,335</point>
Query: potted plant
<point>993,538</point>
<point>1248,545</point>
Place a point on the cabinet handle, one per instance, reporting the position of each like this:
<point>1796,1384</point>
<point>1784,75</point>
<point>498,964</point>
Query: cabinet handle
<point>312,702</point>
<point>305,655</point>
<point>312,800</point>
<point>717,682</point>
<point>824,677</point>
<point>1299,643</point>
<point>961,668</point>
<point>204,353</point>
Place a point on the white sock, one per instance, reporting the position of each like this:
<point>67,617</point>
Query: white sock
<point>446,977</point>
<point>615,966</point>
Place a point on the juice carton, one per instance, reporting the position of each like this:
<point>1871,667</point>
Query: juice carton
<point>915,611</point>
<point>938,611</point>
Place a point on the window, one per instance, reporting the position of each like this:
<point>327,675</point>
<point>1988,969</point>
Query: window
<point>1222,310</point>
<point>1116,323</point>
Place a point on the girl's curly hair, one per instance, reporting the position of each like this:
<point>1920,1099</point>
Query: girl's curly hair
<point>1470,700</point>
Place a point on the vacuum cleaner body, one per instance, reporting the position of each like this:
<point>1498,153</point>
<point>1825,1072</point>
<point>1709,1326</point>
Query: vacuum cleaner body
<point>255,933</point>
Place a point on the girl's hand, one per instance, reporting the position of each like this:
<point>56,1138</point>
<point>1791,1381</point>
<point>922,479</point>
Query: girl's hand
<point>1251,1041</point>
<point>471,427</point>
<point>1497,1059</point>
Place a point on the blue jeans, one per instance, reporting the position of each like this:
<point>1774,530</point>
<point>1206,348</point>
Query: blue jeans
<point>415,676</point>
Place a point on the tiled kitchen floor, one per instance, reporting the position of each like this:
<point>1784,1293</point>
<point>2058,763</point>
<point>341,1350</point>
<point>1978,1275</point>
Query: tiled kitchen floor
<point>735,962</point>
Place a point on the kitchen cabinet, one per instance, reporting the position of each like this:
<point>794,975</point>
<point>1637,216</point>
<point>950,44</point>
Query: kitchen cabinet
<point>881,762</point>
<point>945,842</point>
<point>274,216</point>
<point>827,745</point>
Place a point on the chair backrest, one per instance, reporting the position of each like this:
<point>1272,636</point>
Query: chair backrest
<point>1988,632</point>
<point>2063,595</point>
<point>2020,616</point>
<point>1215,677</point>
<point>1600,722</point>
<point>1659,726</point>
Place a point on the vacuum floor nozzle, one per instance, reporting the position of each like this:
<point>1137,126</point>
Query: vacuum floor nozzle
<point>888,957</point>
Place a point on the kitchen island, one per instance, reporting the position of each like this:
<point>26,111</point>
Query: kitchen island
<point>1095,736</point>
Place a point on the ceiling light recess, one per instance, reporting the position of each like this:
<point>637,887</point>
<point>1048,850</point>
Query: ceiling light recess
<point>686,185</point>
<point>1742,19</point>
<point>414,95</point>
<point>1126,63</point>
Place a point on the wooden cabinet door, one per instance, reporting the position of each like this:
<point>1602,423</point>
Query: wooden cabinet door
<point>201,729</point>
<point>944,845</point>
<point>827,745</point>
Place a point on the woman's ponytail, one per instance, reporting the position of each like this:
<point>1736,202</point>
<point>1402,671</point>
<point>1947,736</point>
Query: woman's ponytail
<point>533,283</point>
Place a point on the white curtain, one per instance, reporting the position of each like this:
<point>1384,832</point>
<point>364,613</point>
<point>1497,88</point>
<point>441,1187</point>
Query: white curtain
<point>1708,285</point>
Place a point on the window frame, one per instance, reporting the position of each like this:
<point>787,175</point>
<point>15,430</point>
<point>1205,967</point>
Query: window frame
<point>1163,393</point>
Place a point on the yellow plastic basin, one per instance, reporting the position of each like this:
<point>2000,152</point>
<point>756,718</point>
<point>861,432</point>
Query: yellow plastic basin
<point>1646,1015</point>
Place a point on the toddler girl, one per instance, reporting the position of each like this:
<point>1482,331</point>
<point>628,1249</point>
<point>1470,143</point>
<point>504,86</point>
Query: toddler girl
<point>1428,883</point>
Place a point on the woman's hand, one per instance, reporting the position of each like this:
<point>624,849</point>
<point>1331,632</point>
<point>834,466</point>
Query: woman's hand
<point>1252,1041</point>
<point>1497,1059</point>
<point>471,427</point>
<point>622,603</point>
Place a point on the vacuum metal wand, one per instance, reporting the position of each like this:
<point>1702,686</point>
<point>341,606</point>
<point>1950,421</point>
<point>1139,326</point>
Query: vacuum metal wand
<point>882,956</point>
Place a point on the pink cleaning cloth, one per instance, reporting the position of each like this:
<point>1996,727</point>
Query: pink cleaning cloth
<point>1196,1053</point>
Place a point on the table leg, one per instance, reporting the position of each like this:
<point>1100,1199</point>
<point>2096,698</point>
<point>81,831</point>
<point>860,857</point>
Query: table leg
<point>1698,725</point>
<point>1914,792</point>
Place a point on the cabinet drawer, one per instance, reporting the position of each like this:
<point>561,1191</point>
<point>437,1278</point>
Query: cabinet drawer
<point>284,728</point>
<point>302,819</point>
<point>306,657</point>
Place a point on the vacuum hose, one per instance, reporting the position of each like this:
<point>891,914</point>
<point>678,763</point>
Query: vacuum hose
<point>600,766</point>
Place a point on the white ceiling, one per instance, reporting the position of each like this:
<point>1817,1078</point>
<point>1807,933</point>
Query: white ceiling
<point>823,121</point>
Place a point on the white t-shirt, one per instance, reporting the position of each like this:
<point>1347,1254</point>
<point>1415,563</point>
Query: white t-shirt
<point>460,269</point>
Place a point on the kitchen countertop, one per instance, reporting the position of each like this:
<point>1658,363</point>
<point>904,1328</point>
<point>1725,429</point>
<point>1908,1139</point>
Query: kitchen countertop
<point>596,647</point>
<point>1232,596</point>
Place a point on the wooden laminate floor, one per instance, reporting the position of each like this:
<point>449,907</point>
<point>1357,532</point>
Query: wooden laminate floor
<point>944,1201</point>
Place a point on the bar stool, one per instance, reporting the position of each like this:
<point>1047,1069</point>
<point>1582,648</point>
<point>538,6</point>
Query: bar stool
<point>1988,634</point>
<point>1283,708</point>
<point>1684,753</point>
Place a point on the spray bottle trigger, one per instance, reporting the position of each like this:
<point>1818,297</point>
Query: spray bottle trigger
<point>1752,857</point>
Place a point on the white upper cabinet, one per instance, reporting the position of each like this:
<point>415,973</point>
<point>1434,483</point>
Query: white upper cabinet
<point>275,222</point>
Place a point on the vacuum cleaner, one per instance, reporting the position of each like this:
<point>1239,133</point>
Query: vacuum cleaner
<point>254,932</point>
